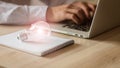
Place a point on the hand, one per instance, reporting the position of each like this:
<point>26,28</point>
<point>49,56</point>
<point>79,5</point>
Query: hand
<point>78,12</point>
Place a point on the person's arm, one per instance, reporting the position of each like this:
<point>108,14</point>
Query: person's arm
<point>78,12</point>
<point>21,15</point>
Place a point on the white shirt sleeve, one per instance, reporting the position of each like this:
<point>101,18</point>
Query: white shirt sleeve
<point>21,14</point>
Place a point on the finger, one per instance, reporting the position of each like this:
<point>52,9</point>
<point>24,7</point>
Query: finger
<point>73,17</point>
<point>83,17</point>
<point>86,10</point>
<point>79,12</point>
<point>80,15</point>
<point>83,6</point>
<point>92,7</point>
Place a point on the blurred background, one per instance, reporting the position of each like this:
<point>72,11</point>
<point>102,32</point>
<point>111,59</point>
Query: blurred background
<point>45,2</point>
<point>57,2</point>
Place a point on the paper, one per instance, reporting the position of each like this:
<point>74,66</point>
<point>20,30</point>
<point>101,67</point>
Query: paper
<point>41,48</point>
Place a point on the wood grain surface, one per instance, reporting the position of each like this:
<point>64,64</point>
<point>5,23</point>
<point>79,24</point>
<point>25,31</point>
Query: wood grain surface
<point>102,51</point>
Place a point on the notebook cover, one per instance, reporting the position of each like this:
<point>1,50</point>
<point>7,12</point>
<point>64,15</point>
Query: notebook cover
<point>40,49</point>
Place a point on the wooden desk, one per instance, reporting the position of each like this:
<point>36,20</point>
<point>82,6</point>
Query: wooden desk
<point>102,51</point>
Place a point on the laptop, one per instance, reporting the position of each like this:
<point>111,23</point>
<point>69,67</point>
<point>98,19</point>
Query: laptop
<point>106,17</point>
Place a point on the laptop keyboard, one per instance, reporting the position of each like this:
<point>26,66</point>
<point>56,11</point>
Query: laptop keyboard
<point>82,27</point>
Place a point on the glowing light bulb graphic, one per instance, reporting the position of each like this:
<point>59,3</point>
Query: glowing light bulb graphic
<point>38,32</point>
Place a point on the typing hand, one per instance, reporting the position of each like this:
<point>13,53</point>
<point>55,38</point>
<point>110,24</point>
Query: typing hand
<point>78,12</point>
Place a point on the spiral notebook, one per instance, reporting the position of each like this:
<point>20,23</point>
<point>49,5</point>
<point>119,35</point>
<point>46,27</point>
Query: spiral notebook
<point>40,49</point>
